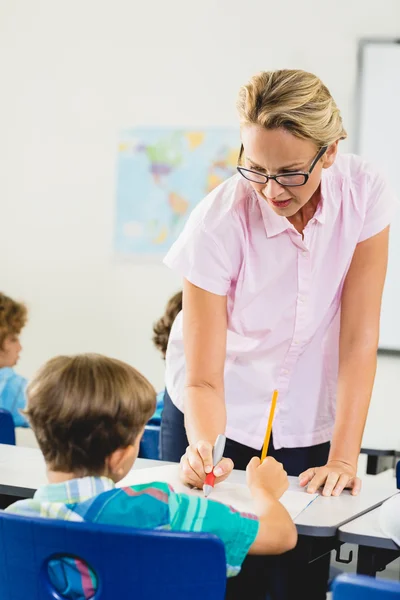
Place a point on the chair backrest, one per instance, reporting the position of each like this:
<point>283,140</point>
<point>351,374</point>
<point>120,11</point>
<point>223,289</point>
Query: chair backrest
<point>7,429</point>
<point>360,587</point>
<point>150,442</point>
<point>129,563</point>
<point>398,474</point>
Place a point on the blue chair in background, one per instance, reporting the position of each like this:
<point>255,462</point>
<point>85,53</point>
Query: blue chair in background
<point>7,429</point>
<point>361,587</point>
<point>150,442</point>
<point>137,564</point>
<point>398,475</point>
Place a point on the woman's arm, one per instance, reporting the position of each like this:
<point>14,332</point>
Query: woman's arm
<point>359,337</point>
<point>204,334</point>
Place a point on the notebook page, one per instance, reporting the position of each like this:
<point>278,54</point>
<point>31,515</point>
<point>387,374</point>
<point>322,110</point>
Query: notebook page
<point>234,494</point>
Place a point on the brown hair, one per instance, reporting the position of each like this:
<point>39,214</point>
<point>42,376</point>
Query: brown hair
<point>294,100</point>
<point>13,317</point>
<point>162,328</point>
<point>83,408</point>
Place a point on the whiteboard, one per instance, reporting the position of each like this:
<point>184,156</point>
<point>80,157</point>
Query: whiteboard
<point>379,142</point>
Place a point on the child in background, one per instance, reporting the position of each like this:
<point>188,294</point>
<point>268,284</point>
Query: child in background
<point>161,330</point>
<point>88,413</point>
<point>13,316</point>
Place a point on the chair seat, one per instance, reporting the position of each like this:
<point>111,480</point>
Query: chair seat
<point>360,587</point>
<point>7,429</point>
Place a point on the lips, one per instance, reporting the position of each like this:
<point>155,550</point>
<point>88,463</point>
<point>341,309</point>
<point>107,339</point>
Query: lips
<point>282,204</point>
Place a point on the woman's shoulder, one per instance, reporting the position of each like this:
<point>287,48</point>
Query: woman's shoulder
<point>354,169</point>
<point>224,205</point>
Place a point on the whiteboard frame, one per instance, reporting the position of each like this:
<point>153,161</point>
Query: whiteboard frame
<point>362,44</point>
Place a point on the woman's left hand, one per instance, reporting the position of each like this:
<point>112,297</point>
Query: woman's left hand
<point>335,476</point>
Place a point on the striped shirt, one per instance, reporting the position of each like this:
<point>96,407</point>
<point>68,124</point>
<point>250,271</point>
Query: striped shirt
<point>146,506</point>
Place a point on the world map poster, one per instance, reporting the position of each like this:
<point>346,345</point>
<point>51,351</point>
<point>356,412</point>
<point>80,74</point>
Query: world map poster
<point>161,175</point>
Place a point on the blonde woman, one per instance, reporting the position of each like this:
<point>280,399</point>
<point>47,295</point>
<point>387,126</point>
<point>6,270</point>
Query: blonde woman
<point>283,266</point>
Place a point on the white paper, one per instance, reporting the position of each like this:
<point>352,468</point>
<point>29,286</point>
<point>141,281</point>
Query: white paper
<point>234,494</point>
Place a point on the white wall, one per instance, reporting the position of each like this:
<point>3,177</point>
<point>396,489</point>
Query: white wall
<point>73,73</point>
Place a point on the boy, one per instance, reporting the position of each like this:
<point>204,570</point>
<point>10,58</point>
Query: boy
<point>13,317</point>
<point>88,413</point>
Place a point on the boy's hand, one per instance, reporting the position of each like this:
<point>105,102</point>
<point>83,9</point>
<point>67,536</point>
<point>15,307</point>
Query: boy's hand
<point>268,477</point>
<point>197,462</point>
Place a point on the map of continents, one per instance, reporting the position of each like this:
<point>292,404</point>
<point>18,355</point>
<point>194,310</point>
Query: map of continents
<point>161,175</point>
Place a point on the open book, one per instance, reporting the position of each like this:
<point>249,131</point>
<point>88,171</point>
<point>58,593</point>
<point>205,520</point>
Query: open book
<point>235,494</point>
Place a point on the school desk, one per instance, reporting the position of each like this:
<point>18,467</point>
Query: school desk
<point>22,471</point>
<point>375,549</point>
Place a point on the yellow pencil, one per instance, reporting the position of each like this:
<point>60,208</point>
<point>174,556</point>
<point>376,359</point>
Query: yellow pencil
<point>269,426</point>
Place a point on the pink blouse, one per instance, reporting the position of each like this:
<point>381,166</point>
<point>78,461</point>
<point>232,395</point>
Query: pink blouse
<point>283,294</point>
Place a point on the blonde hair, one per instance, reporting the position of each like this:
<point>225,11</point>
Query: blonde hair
<point>13,316</point>
<point>82,408</point>
<point>294,100</point>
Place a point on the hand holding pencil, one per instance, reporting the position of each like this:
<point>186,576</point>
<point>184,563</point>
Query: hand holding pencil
<point>266,475</point>
<point>197,463</point>
<point>269,426</point>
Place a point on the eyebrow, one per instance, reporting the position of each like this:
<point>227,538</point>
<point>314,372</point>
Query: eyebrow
<point>290,167</point>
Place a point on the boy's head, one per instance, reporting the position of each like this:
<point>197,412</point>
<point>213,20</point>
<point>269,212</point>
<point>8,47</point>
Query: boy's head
<point>13,316</point>
<point>162,328</point>
<point>88,413</point>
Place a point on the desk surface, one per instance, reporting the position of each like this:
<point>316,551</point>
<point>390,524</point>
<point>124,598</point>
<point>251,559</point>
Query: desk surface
<point>325,515</point>
<point>365,531</point>
<point>22,471</point>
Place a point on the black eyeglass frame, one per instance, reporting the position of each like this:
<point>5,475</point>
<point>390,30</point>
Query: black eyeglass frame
<point>306,174</point>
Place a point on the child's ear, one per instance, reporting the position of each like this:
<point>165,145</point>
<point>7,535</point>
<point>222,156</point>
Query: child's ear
<point>119,458</point>
<point>117,461</point>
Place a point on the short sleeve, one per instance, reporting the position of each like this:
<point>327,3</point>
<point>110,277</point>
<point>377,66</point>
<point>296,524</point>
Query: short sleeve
<point>236,530</point>
<point>13,398</point>
<point>381,207</point>
<point>202,259</point>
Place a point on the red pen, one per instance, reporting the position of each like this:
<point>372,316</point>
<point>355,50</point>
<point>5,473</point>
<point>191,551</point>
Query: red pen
<point>218,452</point>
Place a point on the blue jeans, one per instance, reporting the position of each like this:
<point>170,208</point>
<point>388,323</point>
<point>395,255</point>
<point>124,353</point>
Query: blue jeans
<point>286,577</point>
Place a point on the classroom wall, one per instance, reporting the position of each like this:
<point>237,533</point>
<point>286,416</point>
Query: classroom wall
<point>72,75</point>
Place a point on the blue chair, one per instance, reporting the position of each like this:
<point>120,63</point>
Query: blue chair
<point>7,429</point>
<point>361,587</point>
<point>398,475</point>
<point>150,442</point>
<point>136,564</point>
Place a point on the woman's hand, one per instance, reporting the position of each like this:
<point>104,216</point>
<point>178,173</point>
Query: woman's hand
<point>335,476</point>
<point>197,462</point>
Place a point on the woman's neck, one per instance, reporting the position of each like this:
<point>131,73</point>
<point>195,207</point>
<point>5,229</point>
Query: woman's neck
<point>306,212</point>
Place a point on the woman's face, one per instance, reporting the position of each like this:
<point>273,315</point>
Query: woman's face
<point>276,151</point>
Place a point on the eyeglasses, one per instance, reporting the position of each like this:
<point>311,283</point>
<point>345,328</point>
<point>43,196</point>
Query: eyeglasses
<point>290,179</point>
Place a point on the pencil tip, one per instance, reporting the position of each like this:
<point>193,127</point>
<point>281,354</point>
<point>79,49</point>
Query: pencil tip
<point>206,490</point>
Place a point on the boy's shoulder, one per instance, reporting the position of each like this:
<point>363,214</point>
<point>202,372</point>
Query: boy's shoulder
<point>143,502</point>
<point>9,377</point>
<point>140,506</point>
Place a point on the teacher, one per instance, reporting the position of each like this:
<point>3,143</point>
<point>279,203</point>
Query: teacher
<point>283,266</point>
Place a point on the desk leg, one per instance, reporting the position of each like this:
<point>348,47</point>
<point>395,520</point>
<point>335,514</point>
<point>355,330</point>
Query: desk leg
<point>312,565</point>
<point>372,560</point>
